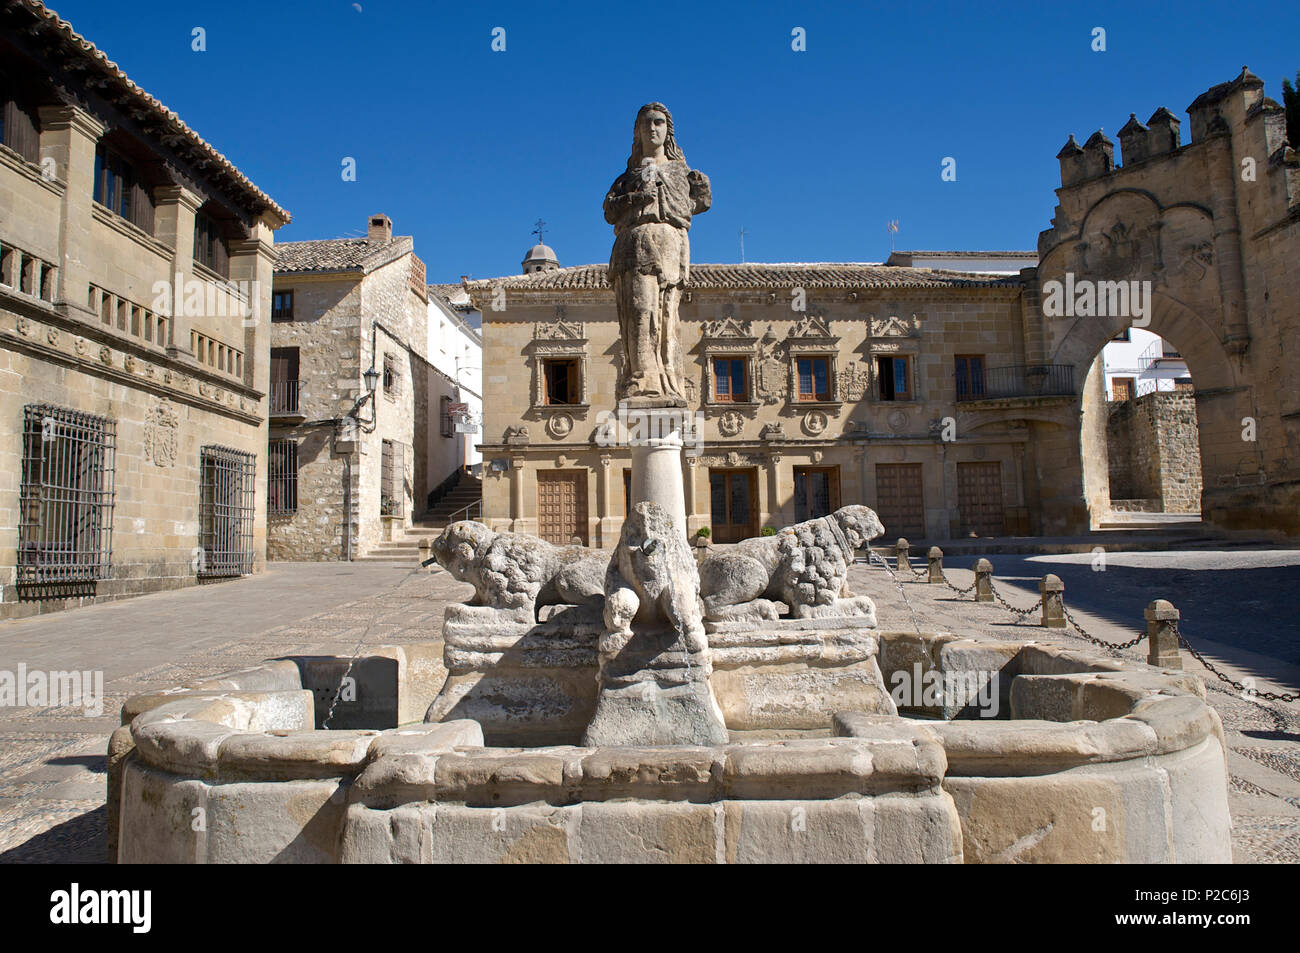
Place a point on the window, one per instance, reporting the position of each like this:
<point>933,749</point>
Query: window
<point>282,306</point>
<point>282,491</point>
<point>444,417</point>
<point>18,129</point>
<point>392,378</point>
<point>119,188</point>
<point>392,478</point>
<point>814,378</point>
<point>66,500</point>
<point>816,492</point>
<point>284,380</point>
<point>729,380</point>
<point>970,376</point>
<point>209,246</point>
<point>562,384</point>
<point>1124,335</point>
<point>225,511</point>
<point>895,381</point>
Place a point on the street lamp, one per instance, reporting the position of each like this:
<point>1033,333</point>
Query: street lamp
<point>372,379</point>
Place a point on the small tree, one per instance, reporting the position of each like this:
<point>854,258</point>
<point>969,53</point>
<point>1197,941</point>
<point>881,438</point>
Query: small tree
<point>1291,102</point>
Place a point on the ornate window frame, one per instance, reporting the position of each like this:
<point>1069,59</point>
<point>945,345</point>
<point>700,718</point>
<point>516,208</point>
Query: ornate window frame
<point>728,337</point>
<point>560,339</point>
<point>811,337</point>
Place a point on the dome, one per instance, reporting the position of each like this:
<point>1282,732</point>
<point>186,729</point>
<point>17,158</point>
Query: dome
<point>540,258</point>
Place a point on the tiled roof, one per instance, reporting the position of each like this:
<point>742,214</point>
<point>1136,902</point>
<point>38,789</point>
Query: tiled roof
<point>339,254</point>
<point>117,86</point>
<point>968,254</point>
<point>847,275</point>
<point>453,295</point>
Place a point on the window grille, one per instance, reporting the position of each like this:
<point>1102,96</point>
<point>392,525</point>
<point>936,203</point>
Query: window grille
<point>225,512</point>
<point>282,492</point>
<point>66,500</point>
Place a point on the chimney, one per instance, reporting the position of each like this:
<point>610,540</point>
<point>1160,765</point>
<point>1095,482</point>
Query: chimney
<point>379,228</point>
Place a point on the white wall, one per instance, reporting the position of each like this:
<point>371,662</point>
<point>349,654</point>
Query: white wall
<point>456,349</point>
<point>1123,359</point>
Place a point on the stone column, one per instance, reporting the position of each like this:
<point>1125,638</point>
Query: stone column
<point>1162,634</point>
<point>69,136</point>
<point>902,555</point>
<point>1052,590</point>
<point>516,493</point>
<point>605,507</point>
<point>175,207</point>
<point>655,436</point>
<point>774,514</point>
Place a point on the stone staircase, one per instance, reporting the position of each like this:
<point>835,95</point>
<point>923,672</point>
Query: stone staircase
<point>405,550</point>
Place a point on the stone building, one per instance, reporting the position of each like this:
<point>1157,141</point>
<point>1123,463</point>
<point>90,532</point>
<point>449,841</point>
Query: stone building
<point>1154,465</point>
<point>135,280</point>
<point>456,349</point>
<point>952,403</point>
<point>799,411</point>
<point>352,388</point>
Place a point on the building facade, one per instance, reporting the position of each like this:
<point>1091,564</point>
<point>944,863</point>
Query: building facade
<point>815,386</point>
<point>351,388</point>
<point>135,281</point>
<point>456,350</point>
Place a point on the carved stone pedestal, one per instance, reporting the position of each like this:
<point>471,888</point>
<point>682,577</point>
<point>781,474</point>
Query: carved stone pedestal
<point>654,690</point>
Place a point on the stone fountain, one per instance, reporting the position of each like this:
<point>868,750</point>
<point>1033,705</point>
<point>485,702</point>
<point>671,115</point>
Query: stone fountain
<point>590,707</point>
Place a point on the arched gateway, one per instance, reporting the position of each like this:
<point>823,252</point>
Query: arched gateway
<point>1199,244</point>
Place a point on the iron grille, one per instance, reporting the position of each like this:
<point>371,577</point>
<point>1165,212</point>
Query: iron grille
<point>225,512</point>
<point>282,491</point>
<point>66,500</point>
<point>1019,380</point>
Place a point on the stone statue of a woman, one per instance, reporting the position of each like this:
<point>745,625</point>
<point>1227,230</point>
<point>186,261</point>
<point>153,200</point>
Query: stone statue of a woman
<point>650,206</point>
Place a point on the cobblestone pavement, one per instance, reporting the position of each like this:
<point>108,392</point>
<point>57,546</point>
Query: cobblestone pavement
<point>52,760</point>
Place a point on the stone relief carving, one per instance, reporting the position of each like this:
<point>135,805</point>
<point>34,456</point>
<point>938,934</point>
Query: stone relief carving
<point>773,369</point>
<point>516,435</point>
<point>726,327</point>
<point>815,422</point>
<point>560,329</point>
<point>52,335</point>
<point>24,327</point>
<point>560,425</point>
<point>161,428</point>
<point>854,381</point>
<point>730,424</point>
<point>772,431</point>
<point>106,355</point>
<point>895,327</point>
<point>1120,254</point>
<point>812,326</point>
<point>897,421</point>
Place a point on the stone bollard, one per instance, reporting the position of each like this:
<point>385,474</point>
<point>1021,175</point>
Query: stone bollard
<point>1162,639</point>
<point>1052,590</point>
<point>902,552</point>
<point>936,564</point>
<point>424,551</point>
<point>983,580</point>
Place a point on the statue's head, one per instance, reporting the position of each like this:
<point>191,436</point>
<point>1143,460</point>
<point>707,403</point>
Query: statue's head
<point>860,524</point>
<point>654,125</point>
<point>460,546</point>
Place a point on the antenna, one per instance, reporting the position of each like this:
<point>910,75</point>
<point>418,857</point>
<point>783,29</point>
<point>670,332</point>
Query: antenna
<point>538,231</point>
<point>892,227</point>
<point>742,244</point>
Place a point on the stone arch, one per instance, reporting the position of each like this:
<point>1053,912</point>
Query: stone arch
<point>1222,399</point>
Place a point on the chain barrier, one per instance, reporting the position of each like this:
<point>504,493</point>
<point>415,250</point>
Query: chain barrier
<point>1252,692</point>
<point>1117,647</point>
<point>1021,613</point>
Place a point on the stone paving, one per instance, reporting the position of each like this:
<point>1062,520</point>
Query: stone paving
<point>52,760</point>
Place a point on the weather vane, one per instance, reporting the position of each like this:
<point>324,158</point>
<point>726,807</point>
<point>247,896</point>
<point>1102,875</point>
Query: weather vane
<point>892,227</point>
<point>538,231</point>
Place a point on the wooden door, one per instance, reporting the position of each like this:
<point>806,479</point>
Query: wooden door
<point>816,492</point>
<point>979,499</point>
<point>733,505</point>
<point>562,505</point>
<point>900,500</point>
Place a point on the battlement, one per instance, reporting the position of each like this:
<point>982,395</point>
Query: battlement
<point>1236,108</point>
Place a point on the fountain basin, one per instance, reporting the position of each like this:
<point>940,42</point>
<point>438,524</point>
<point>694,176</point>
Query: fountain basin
<point>1091,759</point>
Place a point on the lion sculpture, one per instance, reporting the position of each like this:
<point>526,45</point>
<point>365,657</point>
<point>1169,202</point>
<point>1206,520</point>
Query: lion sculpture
<point>514,574</point>
<point>805,566</point>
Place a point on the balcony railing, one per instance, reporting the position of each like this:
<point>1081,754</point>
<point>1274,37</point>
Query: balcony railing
<point>284,398</point>
<point>1017,380</point>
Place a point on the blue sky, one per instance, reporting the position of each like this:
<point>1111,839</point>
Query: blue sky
<point>810,152</point>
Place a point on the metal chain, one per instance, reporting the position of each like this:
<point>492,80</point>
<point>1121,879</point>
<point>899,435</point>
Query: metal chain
<point>1114,646</point>
<point>1022,613</point>
<point>960,592</point>
<point>1252,692</point>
